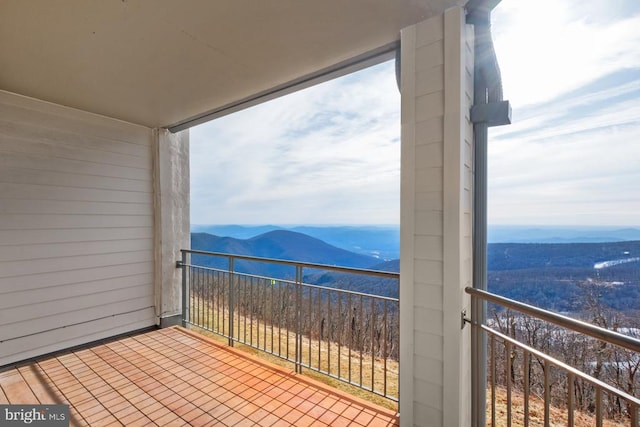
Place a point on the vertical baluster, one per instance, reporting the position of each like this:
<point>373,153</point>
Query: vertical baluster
<point>298,355</point>
<point>310,323</point>
<point>279,312</point>
<point>340,329</point>
<point>330,333</point>
<point>493,379</point>
<point>286,322</point>
<point>598,407</point>
<point>243,316</point>
<point>201,279</point>
<point>525,367</point>
<point>190,292</point>
<point>231,298</point>
<point>222,305</point>
<point>217,280</point>
<point>547,393</point>
<point>226,299</point>
<point>570,399</point>
<point>257,307</point>
<point>196,302</point>
<point>271,322</point>
<point>361,336</point>
<point>260,312</point>
<point>373,353</point>
<point>214,285</point>
<point>320,317</point>
<point>251,306</point>
<point>206,299</point>
<point>351,323</point>
<point>209,299</point>
<point>265,304</point>
<point>193,274</point>
<point>384,346</point>
<point>507,347</point>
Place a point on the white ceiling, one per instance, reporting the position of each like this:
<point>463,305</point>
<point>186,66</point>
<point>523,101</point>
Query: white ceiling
<point>159,62</point>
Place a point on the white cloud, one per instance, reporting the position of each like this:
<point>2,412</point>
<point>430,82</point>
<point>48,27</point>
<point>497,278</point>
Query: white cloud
<point>571,156</point>
<point>550,47</point>
<point>329,154</point>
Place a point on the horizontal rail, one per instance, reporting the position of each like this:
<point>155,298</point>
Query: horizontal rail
<point>291,282</point>
<point>611,337</point>
<point>378,273</point>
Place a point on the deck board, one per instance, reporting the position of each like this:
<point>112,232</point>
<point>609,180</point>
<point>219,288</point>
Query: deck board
<point>176,377</point>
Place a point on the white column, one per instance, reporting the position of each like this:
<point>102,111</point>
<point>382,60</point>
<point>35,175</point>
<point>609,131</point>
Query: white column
<point>171,220</point>
<point>436,209</point>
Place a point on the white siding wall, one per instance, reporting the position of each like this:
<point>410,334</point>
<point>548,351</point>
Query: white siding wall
<point>436,220</point>
<point>76,227</point>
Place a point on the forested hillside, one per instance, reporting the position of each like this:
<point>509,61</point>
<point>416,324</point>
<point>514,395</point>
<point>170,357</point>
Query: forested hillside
<point>562,277</point>
<point>558,276</point>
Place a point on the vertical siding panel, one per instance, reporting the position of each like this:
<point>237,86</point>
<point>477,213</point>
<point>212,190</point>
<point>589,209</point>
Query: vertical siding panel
<point>436,212</point>
<point>458,213</point>
<point>408,202</point>
<point>421,280</point>
<point>76,227</point>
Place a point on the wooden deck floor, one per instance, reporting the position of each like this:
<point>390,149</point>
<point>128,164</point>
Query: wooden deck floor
<point>174,377</point>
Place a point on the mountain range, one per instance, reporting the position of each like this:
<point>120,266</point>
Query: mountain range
<point>555,276</point>
<point>283,244</point>
<point>294,246</point>
<point>378,241</point>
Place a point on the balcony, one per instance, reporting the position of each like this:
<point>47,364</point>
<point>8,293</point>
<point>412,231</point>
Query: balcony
<point>177,376</point>
<point>181,376</point>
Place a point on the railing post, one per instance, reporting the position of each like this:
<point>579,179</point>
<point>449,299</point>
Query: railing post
<point>231,299</point>
<point>185,298</point>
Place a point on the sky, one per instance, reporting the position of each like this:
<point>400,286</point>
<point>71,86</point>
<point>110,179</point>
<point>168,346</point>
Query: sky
<point>331,154</point>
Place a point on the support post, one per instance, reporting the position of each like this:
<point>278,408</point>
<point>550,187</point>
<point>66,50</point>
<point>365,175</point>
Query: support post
<point>171,220</point>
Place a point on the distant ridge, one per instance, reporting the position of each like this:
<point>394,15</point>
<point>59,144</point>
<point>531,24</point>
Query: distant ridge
<point>393,265</point>
<point>236,231</point>
<point>379,241</point>
<point>280,244</point>
<point>294,246</point>
<point>560,234</point>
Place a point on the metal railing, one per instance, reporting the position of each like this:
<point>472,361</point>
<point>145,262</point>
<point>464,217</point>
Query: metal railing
<point>346,335</point>
<point>528,368</point>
